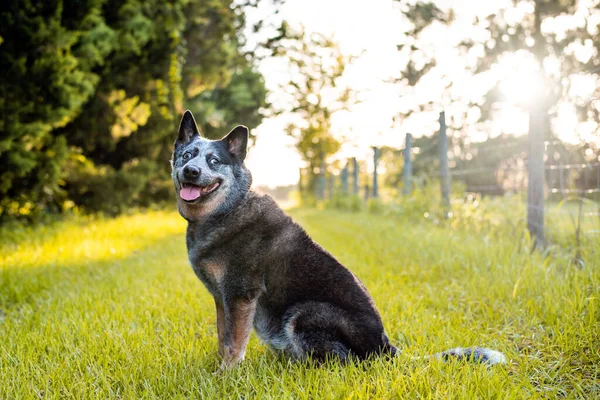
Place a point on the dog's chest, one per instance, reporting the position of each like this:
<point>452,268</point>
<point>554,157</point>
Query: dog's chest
<point>207,266</point>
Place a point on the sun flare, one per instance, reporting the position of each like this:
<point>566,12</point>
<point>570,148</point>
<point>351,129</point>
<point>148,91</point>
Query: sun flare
<point>522,89</point>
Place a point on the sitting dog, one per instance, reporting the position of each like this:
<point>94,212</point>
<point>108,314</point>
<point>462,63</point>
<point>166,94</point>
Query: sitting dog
<point>263,269</point>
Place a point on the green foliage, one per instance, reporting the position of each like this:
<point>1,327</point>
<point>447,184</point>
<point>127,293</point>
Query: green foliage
<point>111,307</point>
<point>106,80</point>
<point>419,59</point>
<point>345,202</point>
<point>43,85</point>
<point>314,94</point>
<point>241,101</point>
<point>424,202</point>
<point>375,206</point>
<point>106,189</point>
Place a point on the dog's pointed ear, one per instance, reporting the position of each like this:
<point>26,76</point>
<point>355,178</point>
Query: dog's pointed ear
<point>237,142</point>
<point>187,129</point>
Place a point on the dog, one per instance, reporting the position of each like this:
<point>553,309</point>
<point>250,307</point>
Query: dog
<point>263,269</point>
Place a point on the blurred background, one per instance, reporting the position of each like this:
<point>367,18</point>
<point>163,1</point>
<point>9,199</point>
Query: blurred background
<point>476,112</point>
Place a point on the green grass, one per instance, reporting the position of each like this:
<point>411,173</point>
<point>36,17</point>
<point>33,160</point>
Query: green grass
<point>96,308</point>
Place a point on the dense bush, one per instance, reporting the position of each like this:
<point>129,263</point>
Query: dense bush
<point>91,92</point>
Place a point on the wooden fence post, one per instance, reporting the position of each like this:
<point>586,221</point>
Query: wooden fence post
<point>322,178</point>
<point>407,171</point>
<point>315,183</point>
<point>444,173</point>
<point>344,179</point>
<point>535,169</point>
<point>355,173</point>
<point>375,183</point>
<point>331,185</point>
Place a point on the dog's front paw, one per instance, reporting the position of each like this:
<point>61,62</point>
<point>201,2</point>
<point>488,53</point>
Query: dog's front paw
<point>227,365</point>
<point>220,371</point>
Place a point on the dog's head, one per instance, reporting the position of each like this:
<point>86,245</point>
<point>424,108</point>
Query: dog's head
<point>209,175</point>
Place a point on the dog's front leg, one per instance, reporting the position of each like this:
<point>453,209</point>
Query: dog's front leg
<point>220,326</point>
<point>239,315</point>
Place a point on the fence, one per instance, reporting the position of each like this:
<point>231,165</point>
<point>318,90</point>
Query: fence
<point>559,190</point>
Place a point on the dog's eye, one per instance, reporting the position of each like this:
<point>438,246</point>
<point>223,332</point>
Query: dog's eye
<point>187,156</point>
<point>214,161</point>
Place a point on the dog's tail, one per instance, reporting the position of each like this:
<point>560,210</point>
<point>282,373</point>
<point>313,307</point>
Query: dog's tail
<point>475,354</point>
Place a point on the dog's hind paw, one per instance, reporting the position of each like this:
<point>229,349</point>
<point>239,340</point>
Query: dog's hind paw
<point>477,354</point>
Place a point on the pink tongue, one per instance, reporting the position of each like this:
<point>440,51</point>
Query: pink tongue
<point>189,193</point>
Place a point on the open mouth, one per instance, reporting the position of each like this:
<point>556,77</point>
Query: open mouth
<point>191,192</point>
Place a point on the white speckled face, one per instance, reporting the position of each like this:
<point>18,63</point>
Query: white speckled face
<point>201,168</point>
<point>208,174</point>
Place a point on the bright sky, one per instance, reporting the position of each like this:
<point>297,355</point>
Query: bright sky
<point>373,27</point>
<point>356,25</point>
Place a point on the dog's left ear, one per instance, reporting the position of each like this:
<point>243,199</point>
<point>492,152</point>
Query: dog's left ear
<point>237,142</point>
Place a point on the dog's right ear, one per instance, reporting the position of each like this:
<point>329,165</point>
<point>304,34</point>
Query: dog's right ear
<point>187,129</point>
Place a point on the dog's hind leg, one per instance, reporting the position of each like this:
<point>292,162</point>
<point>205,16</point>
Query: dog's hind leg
<point>312,330</point>
<point>322,330</point>
<point>319,345</point>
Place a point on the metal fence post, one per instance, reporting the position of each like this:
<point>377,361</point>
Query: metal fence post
<point>535,189</point>
<point>407,171</point>
<point>375,183</point>
<point>444,173</point>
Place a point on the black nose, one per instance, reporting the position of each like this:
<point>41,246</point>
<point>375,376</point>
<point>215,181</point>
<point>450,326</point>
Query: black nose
<point>190,172</point>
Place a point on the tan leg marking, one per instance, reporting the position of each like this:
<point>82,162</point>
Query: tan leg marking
<point>238,324</point>
<point>216,271</point>
<point>220,327</point>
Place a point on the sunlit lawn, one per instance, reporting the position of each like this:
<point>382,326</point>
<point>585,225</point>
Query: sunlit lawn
<point>111,309</point>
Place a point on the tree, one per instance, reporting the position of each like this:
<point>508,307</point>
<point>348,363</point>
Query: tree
<point>45,81</point>
<point>313,94</point>
<point>241,101</point>
<point>559,35</point>
<point>526,28</point>
<point>91,92</point>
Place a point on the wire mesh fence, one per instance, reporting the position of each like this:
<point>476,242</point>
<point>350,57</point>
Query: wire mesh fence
<point>569,180</point>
